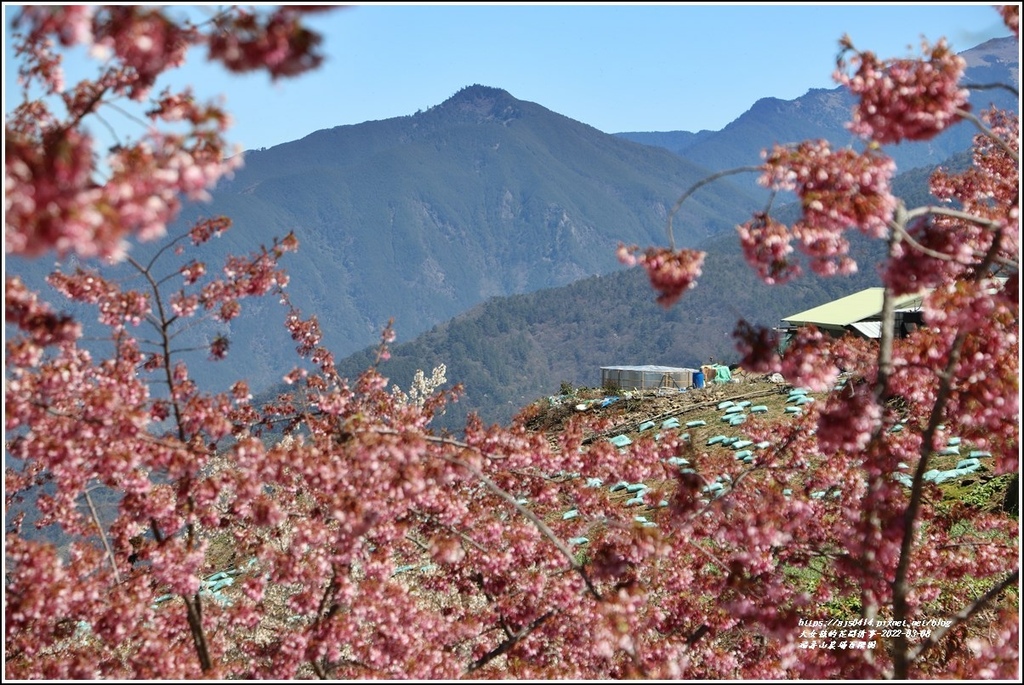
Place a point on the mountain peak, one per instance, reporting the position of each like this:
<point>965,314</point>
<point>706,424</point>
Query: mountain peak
<point>477,92</point>
<point>482,103</point>
<point>994,52</point>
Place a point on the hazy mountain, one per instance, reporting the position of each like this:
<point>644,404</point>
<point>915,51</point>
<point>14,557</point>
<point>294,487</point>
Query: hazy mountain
<point>509,351</point>
<point>423,217</point>
<point>823,113</point>
<point>674,141</point>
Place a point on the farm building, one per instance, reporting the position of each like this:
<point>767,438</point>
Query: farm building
<point>859,313</point>
<point>647,377</point>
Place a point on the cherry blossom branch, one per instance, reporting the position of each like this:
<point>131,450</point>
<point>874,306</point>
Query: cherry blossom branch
<point>696,186</point>
<point>954,214</point>
<point>193,604</point>
<point>194,613</point>
<point>888,317</point>
<point>988,133</point>
<point>195,623</point>
<point>128,115</point>
<point>994,86</point>
<point>164,343</point>
<point>493,487</point>
<point>533,518</point>
<point>939,211</point>
<point>318,670</point>
<point>912,214</point>
<point>965,614</point>
<point>458,533</point>
<point>84,109</point>
<point>509,643</point>
<point>900,586</point>
<point>103,536</point>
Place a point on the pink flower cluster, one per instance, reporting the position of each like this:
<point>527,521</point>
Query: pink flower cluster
<point>117,307</point>
<point>144,38</point>
<point>849,421</point>
<point>905,99</point>
<point>838,189</point>
<point>804,362</point>
<point>22,308</point>
<point>767,248</point>
<point>943,248</point>
<point>278,43</point>
<point>55,196</point>
<point>671,272</point>
<point>759,347</point>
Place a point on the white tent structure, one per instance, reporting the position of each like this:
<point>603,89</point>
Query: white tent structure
<point>647,377</point>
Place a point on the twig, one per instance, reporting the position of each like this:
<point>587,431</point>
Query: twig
<point>692,189</point>
<point>965,614</point>
<point>994,86</point>
<point>509,643</point>
<point>103,536</point>
<point>987,132</point>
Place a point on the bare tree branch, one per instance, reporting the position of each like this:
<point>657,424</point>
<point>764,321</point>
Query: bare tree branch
<point>692,189</point>
<point>509,643</point>
<point>964,114</point>
<point>965,614</point>
<point>103,536</point>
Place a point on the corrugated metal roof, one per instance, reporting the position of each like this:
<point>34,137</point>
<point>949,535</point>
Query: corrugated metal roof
<point>869,329</point>
<point>852,308</point>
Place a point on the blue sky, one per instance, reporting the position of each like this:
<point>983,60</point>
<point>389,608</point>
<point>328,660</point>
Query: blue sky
<point>617,67</point>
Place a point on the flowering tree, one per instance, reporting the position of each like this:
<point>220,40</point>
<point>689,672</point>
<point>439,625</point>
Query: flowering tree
<point>963,369</point>
<point>332,533</point>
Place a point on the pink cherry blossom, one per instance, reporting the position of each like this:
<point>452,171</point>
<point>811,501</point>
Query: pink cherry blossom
<point>904,99</point>
<point>671,272</point>
<point>330,531</point>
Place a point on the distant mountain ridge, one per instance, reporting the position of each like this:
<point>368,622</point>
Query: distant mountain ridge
<point>510,351</point>
<point>823,113</point>
<point>423,217</point>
